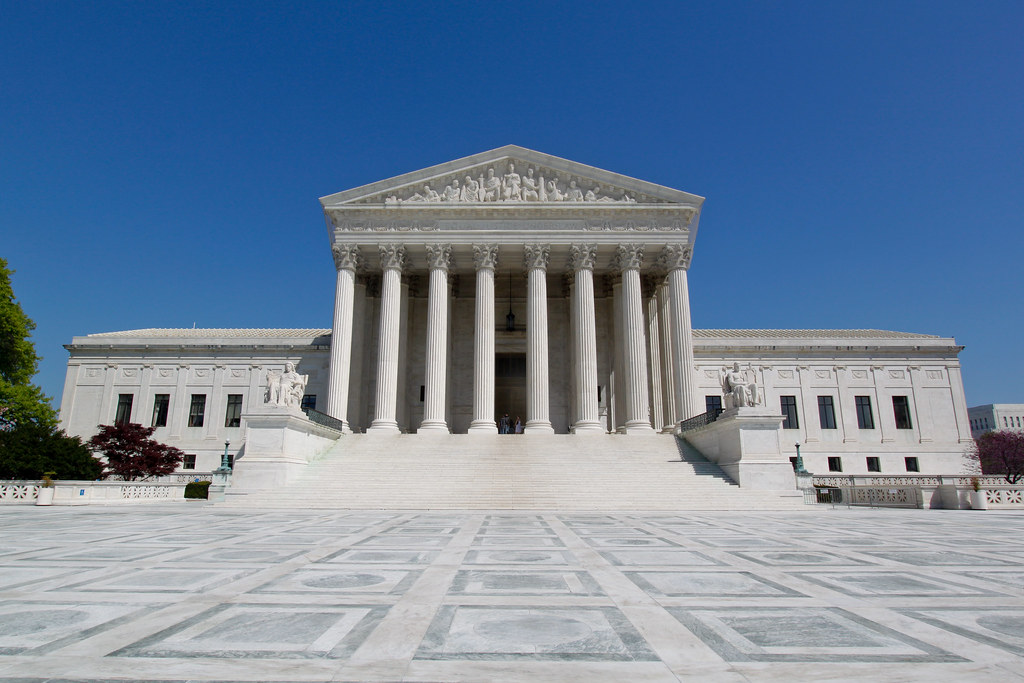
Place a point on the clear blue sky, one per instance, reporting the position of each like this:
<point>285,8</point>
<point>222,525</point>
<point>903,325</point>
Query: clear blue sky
<point>863,162</point>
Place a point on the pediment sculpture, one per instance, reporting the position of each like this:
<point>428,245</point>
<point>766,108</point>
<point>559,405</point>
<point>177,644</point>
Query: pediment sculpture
<point>508,181</point>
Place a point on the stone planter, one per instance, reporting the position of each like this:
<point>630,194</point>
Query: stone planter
<point>979,501</point>
<point>45,496</point>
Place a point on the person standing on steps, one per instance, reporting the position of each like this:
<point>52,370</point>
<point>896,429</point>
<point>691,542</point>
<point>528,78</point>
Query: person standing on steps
<point>504,424</point>
<point>519,425</point>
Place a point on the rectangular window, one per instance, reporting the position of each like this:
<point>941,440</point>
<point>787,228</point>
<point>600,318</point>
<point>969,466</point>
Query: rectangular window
<point>835,464</point>
<point>308,402</point>
<point>912,465</point>
<point>197,410</point>
<point>124,409</point>
<point>712,403</point>
<point>233,415</point>
<point>901,409</point>
<point>826,412</point>
<point>161,404</point>
<point>865,419</point>
<point>789,419</point>
<point>874,464</point>
<point>188,462</point>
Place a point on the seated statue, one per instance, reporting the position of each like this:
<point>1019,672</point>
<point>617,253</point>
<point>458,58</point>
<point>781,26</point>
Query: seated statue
<point>739,388</point>
<point>287,388</point>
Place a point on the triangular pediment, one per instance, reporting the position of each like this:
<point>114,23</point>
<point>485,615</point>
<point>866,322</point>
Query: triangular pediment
<point>510,175</point>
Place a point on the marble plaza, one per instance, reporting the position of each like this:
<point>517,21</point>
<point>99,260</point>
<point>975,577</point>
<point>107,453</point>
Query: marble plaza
<point>194,592</point>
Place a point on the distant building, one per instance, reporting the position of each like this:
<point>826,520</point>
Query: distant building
<point>995,416</point>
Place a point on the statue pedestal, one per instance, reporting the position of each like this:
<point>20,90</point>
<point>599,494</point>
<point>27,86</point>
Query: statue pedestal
<point>744,442</point>
<point>279,442</point>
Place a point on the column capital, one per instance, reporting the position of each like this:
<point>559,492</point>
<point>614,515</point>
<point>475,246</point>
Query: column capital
<point>346,257</point>
<point>536,256</point>
<point>675,257</point>
<point>485,256</point>
<point>392,257</point>
<point>439,256</point>
<point>628,257</point>
<point>582,257</point>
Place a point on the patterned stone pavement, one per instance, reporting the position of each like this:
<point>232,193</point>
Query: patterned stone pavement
<point>192,592</point>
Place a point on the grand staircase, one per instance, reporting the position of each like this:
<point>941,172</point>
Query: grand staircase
<point>524,472</point>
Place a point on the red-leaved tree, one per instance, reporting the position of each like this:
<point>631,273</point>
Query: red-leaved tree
<point>131,454</point>
<point>1000,452</point>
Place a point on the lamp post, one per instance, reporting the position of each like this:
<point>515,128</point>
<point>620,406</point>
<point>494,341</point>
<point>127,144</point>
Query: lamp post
<point>225,465</point>
<point>799,462</point>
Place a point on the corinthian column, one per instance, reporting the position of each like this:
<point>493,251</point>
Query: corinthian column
<point>584,341</point>
<point>535,261</point>
<point>392,259</point>
<point>628,259</point>
<point>436,374</point>
<point>485,259</point>
<point>346,260</point>
<point>676,259</point>
<point>668,392</point>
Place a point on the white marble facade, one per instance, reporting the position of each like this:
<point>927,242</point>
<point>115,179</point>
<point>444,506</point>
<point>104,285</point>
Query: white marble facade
<point>593,265</point>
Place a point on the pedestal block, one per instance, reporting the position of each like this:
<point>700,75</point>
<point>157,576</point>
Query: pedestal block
<point>744,442</point>
<point>279,442</point>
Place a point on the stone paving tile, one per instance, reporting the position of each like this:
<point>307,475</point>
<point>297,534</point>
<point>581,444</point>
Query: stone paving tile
<point>200,593</point>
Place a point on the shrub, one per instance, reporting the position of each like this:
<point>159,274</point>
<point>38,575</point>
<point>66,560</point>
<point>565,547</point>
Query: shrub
<point>198,489</point>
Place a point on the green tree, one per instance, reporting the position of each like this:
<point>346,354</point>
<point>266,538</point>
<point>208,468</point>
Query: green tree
<point>20,401</point>
<point>31,449</point>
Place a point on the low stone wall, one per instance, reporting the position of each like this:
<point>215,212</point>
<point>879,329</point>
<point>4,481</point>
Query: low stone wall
<point>19,492</point>
<point>934,492</point>
<point>93,492</point>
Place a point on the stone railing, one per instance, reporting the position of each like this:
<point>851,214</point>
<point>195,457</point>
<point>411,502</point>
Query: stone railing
<point>951,492</point>
<point>93,492</point>
<point>14,492</point>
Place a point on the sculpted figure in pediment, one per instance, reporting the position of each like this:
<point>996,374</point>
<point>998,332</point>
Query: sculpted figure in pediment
<point>492,187</point>
<point>452,193</point>
<point>573,194</point>
<point>553,193</point>
<point>428,195</point>
<point>531,191</point>
<point>470,190</point>
<point>511,185</point>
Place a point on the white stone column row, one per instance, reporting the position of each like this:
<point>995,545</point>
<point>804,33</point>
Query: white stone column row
<point>346,261</point>
<point>628,260</point>
<point>584,342</point>
<point>485,260</point>
<point>392,260</point>
<point>675,259</point>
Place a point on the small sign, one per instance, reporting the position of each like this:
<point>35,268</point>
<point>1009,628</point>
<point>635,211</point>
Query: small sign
<point>81,492</point>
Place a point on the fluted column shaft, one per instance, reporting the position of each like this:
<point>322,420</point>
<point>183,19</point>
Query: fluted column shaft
<point>385,411</point>
<point>634,365</point>
<point>436,373</point>
<point>485,259</point>
<point>677,260</point>
<point>668,392</point>
<point>346,261</point>
<point>537,397</point>
<point>654,358</point>
<point>584,341</point>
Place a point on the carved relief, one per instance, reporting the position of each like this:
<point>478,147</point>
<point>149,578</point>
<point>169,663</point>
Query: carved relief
<point>238,373</point>
<point>785,374</point>
<point>675,256</point>
<point>933,374</point>
<point>346,257</point>
<point>485,256</point>
<point>439,256</point>
<point>822,374</point>
<point>505,182</point>
<point>92,372</point>
<point>392,256</point>
<point>859,374</point>
<point>582,257</point>
<point>166,372</point>
<point>536,256</point>
<point>896,374</point>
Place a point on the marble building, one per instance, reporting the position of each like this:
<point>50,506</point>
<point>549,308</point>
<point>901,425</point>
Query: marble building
<point>514,282</point>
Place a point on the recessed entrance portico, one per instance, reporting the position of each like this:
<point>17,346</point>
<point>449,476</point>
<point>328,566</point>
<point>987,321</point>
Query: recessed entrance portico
<point>573,247</point>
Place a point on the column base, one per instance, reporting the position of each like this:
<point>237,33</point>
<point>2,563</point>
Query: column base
<point>668,429</point>
<point>588,427</point>
<point>383,427</point>
<point>433,427</point>
<point>538,427</point>
<point>483,427</point>
<point>639,428</point>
